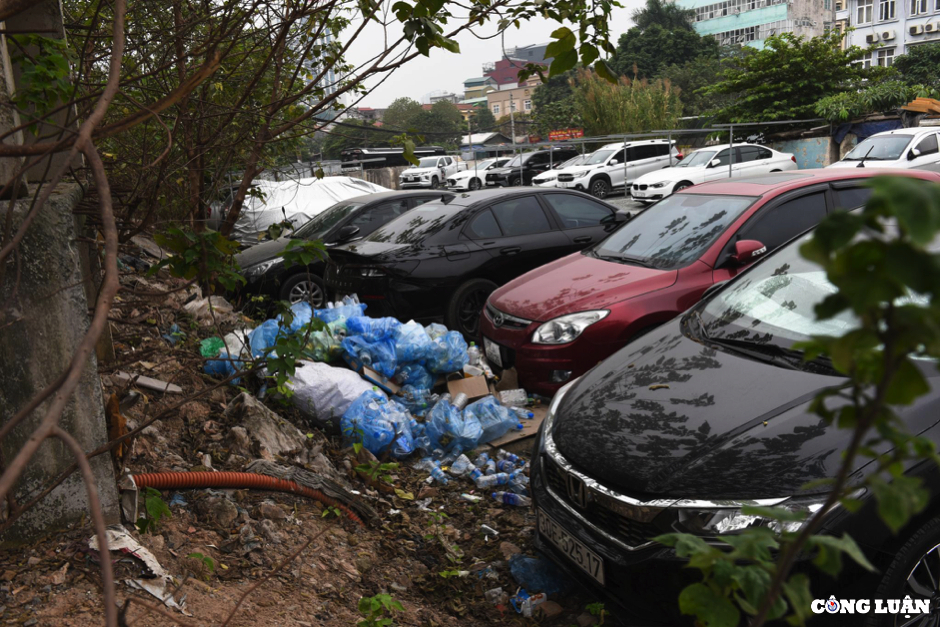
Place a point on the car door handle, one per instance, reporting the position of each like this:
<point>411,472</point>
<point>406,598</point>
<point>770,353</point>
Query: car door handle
<point>510,250</point>
<point>582,240</point>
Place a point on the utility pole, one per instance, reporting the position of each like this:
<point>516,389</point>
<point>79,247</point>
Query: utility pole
<point>470,144</point>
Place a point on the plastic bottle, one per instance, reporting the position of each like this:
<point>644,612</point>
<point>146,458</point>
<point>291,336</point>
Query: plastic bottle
<point>496,479</point>
<point>522,413</point>
<point>439,475</point>
<point>481,459</point>
<point>518,484</point>
<point>462,466</point>
<point>476,473</point>
<point>502,454</point>
<point>473,354</point>
<point>465,497</point>
<point>506,466</point>
<point>511,498</point>
<point>490,467</point>
<point>515,397</point>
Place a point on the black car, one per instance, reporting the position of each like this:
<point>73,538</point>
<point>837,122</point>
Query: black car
<point>709,412</point>
<point>352,219</point>
<point>521,169</point>
<point>446,257</point>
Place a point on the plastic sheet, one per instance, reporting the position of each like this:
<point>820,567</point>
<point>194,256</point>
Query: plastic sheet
<point>263,338</point>
<point>302,314</point>
<point>223,366</point>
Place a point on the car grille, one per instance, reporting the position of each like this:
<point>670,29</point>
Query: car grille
<point>642,186</point>
<point>493,177</point>
<point>566,177</point>
<point>633,533</point>
<point>509,321</point>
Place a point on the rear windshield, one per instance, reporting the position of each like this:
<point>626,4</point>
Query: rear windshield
<point>415,225</point>
<point>675,232</point>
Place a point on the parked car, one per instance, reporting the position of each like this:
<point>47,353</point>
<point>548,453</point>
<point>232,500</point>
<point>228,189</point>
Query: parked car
<point>558,321</point>
<point>681,429</point>
<point>473,178</point>
<point>263,265</point>
<point>901,148</point>
<point>431,172</point>
<point>521,169</point>
<point>612,165</point>
<point>549,178</point>
<point>443,259</point>
<point>711,164</point>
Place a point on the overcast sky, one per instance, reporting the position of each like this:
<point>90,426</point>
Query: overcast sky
<point>447,71</point>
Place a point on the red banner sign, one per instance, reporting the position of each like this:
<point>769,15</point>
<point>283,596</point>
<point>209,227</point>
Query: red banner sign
<point>565,134</point>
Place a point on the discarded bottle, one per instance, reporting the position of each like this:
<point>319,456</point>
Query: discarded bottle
<point>522,413</point>
<point>518,483</point>
<point>466,497</point>
<point>440,476</point>
<point>490,467</point>
<point>481,459</point>
<point>502,454</point>
<point>473,354</point>
<point>511,499</point>
<point>497,479</point>
<point>515,397</point>
<point>448,427</point>
<point>506,466</point>
<point>476,473</point>
<point>495,419</point>
<point>462,465</point>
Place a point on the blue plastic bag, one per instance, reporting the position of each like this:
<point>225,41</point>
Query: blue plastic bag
<point>341,313</point>
<point>495,420</point>
<point>412,343</point>
<point>372,329</point>
<point>418,401</point>
<point>446,427</point>
<point>448,353</point>
<point>223,366</point>
<point>414,375</point>
<point>379,423</point>
<point>302,314</point>
<point>436,330</point>
<point>263,338</point>
<point>379,355</point>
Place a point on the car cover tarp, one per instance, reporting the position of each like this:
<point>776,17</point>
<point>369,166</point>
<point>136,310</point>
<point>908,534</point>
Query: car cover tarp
<point>862,130</point>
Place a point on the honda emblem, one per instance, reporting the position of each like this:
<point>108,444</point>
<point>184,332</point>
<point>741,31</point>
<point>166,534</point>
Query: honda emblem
<point>578,492</point>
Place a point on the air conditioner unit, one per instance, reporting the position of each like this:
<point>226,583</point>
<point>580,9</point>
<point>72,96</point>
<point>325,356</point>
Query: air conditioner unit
<point>872,38</point>
<point>931,27</point>
<point>888,35</point>
<point>917,29</point>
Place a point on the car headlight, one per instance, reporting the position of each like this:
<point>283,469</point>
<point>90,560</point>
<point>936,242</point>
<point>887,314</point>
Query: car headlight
<point>547,179</point>
<point>716,520</point>
<point>566,328</point>
<point>256,271</point>
<point>372,272</point>
<point>659,185</point>
<point>579,175</point>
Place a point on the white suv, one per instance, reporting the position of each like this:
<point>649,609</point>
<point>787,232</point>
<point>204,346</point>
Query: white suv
<point>901,148</point>
<point>615,165</point>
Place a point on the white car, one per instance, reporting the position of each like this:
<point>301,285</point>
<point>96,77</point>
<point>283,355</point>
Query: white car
<point>473,178</point>
<point>549,178</point>
<point>615,165</point>
<point>431,172</point>
<point>711,164</point>
<point>901,148</point>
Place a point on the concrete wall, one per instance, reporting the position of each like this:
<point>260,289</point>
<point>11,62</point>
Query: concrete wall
<point>386,177</point>
<point>43,317</point>
<point>810,152</point>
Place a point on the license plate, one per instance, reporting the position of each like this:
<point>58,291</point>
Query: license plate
<point>492,350</point>
<point>575,550</point>
<point>566,184</point>
<point>639,194</point>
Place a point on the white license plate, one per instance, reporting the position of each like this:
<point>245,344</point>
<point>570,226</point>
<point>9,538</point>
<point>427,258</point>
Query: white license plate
<point>575,550</point>
<point>566,184</point>
<point>492,350</point>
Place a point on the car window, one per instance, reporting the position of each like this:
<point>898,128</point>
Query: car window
<point>374,217</point>
<point>775,226</point>
<point>928,145</point>
<point>422,200</point>
<point>537,159</point>
<point>644,151</point>
<point>748,153</point>
<point>723,157</point>
<point>577,211</point>
<point>521,216</point>
<point>326,220</point>
<point>483,226</point>
<point>851,198</point>
<point>764,153</point>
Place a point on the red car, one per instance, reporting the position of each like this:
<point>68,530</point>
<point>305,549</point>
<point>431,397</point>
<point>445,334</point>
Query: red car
<point>559,320</point>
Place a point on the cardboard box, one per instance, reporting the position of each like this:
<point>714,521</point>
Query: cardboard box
<point>474,387</point>
<point>372,376</point>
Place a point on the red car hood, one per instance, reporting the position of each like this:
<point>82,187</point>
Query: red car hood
<point>574,284</point>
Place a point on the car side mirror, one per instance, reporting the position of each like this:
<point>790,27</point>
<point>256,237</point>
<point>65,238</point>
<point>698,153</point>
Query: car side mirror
<point>715,163</point>
<point>913,153</point>
<point>347,232</point>
<point>613,162</point>
<point>747,251</point>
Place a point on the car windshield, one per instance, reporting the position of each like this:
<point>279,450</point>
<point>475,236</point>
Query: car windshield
<point>428,162</point>
<point>514,162</point>
<point>577,160</point>
<point>413,226</point>
<point>699,158</point>
<point>318,226</point>
<point>673,233</point>
<point>883,147</point>
<point>599,157</point>
<point>483,165</point>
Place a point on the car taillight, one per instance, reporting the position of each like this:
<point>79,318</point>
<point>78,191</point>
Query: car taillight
<point>794,159</point>
<point>679,155</point>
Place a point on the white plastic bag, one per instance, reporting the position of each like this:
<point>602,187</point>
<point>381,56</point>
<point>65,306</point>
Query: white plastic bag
<point>323,392</point>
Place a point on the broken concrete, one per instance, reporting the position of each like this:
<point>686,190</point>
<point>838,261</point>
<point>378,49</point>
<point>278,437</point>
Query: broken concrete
<point>274,435</point>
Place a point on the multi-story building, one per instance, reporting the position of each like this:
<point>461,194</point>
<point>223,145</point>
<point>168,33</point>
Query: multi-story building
<point>750,22</point>
<point>519,98</point>
<point>505,71</point>
<point>895,26</point>
<point>478,87</point>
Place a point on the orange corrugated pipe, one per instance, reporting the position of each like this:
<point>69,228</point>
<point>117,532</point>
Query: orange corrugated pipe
<point>234,479</point>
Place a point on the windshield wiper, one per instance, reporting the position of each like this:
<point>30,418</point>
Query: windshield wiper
<point>637,261</point>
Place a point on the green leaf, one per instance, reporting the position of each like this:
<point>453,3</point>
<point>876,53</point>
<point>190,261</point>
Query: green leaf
<point>797,591</point>
<point>709,607</point>
<point>605,71</point>
<point>907,384</point>
<point>844,544</point>
<point>563,62</point>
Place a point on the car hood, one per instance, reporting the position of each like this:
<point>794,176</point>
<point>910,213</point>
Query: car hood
<point>667,417</point>
<point>871,163</point>
<point>262,252</point>
<point>505,170</point>
<point>694,174</point>
<point>467,174</point>
<point>576,283</point>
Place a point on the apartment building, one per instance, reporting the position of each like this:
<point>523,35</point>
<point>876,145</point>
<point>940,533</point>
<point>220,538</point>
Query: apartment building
<point>519,99</point>
<point>894,26</point>
<point>750,22</point>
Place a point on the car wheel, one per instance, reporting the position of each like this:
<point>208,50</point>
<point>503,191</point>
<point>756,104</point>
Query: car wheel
<point>599,188</point>
<point>466,304</point>
<point>682,185</point>
<point>514,182</point>
<point>304,287</point>
<point>434,183</point>
<point>473,184</point>
<point>913,572</point>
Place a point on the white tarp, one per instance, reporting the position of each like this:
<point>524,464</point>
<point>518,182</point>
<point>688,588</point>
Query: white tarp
<point>298,200</point>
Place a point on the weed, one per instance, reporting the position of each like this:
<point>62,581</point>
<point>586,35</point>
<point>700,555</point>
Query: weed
<point>155,510</point>
<point>597,610</point>
<point>376,608</point>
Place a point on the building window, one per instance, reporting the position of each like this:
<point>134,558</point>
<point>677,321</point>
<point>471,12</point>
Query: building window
<point>863,11</point>
<point>838,5</point>
<point>527,105</point>
<point>865,62</point>
<point>737,36</point>
<point>919,7</point>
<point>496,109</point>
<point>826,5</point>
<point>885,57</point>
<point>886,10</point>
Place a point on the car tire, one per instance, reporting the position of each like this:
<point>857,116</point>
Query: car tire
<point>304,287</point>
<point>906,575</point>
<point>434,183</point>
<point>599,188</point>
<point>682,185</point>
<point>473,184</point>
<point>515,181</point>
<point>466,305</point>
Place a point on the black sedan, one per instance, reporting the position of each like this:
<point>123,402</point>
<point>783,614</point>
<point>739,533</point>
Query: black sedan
<point>446,257</point>
<point>352,219</point>
<point>521,169</point>
<point>710,412</point>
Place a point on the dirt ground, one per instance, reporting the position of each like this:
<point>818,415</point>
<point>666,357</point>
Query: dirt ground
<point>433,557</point>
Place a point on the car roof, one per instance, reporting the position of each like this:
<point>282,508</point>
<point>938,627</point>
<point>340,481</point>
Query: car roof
<point>906,131</point>
<point>467,199</point>
<point>636,143</point>
<point>721,146</point>
<point>378,196</point>
<point>774,183</point>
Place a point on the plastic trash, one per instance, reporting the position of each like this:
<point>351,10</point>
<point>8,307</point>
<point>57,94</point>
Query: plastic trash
<point>495,479</point>
<point>446,425</point>
<point>223,366</point>
<point>372,329</point>
<point>466,497</point>
<point>436,330</point>
<point>322,346</point>
<point>378,355</point>
<point>324,393</point>
<point>505,466</point>
<point>237,343</point>
<point>414,375</point>
<point>341,312</point>
<point>511,499</point>
<point>210,347</point>
<point>377,422</point>
<point>439,476</point>
<point>521,413</point>
<point>412,343</point>
<point>301,314</point>
<point>473,355</point>
<point>539,574</point>
<point>495,420</point>
<point>481,459</point>
<point>417,400</point>
<point>448,353</point>
<point>462,465</point>
<point>503,454</point>
<point>528,607</point>
<point>515,397</point>
<point>496,596</point>
<point>263,338</point>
